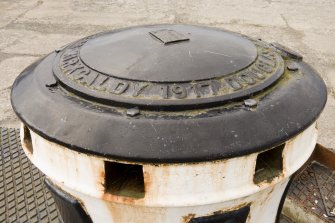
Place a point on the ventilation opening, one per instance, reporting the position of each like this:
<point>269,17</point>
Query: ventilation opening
<point>269,164</point>
<point>124,179</point>
<point>27,140</point>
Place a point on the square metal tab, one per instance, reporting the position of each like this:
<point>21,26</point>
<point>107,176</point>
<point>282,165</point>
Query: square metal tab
<point>169,36</point>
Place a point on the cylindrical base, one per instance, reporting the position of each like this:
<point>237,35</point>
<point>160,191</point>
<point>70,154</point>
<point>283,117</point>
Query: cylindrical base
<point>242,189</point>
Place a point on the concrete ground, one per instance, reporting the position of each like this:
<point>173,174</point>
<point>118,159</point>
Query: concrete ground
<point>30,29</point>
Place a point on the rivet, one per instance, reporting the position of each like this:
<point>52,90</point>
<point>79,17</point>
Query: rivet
<point>293,66</point>
<point>250,102</point>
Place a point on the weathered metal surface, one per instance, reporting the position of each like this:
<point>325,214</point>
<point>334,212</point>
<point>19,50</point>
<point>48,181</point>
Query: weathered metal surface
<point>167,76</point>
<point>168,193</point>
<point>287,52</point>
<point>134,54</point>
<point>125,88</point>
<point>311,197</point>
<point>24,174</point>
<point>114,211</point>
<point>151,113</point>
<point>169,36</point>
<point>23,196</point>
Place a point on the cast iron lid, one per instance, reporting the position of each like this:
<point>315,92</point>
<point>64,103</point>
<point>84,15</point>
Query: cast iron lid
<point>169,93</point>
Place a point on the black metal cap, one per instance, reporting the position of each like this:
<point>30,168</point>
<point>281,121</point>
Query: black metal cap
<point>169,93</point>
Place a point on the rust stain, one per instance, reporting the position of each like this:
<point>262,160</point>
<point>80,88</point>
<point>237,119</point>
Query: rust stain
<point>324,156</point>
<point>133,214</point>
<point>267,197</point>
<point>271,182</point>
<point>239,206</point>
<point>116,215</point>
<point>287,149</point>
<point>156,180</point>
<point>101,178</point>
<point>110,197</point>
<point>117,198</point>
<point>188,217</point>
<point>26,140</point>
<point>147,180</point>
<point>120,199</point>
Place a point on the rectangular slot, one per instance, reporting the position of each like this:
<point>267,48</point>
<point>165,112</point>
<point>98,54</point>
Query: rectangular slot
<point>269,165</point>
<point>124,179</point>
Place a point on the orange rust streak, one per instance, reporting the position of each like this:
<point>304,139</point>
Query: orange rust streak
<point>188,217</point>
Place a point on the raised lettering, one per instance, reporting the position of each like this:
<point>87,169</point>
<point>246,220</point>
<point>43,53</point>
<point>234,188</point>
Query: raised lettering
<point>164,91</point>
<point>138,89</point>
<point>99,82</point>
<point>72,67</point>
<point>215,86</point>
<point>77,72</point>
<point>234,83</point>
<point>256,73</point>
<point>247,78</point>
<point>264,66</point>
<point>179,91</point>
<point>69,62</point>
<point>198,88</point>
<point>119,87</point>
<point>69,58</point>
<point>89,78</point>
<point>267,56</point>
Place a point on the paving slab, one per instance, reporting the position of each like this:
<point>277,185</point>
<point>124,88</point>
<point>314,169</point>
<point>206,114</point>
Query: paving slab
<point>34,43</point>
<point>9,69</point>
<point>12,10</point>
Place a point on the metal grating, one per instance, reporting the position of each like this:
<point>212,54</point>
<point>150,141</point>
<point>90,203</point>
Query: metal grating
<point>314,190</point>
<point>23,196</point>
<point>325,179</point>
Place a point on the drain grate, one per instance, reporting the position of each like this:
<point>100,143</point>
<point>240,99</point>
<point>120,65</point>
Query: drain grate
<point>325,179</point>
<point>314,190</point>
<point>23,196</point>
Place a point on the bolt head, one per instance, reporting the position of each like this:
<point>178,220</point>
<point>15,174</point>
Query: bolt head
<point>133,111</point>
<point>250,102</point>
<point>293,66</point>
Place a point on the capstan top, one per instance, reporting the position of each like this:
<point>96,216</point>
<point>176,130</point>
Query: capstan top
<point>169,93</point>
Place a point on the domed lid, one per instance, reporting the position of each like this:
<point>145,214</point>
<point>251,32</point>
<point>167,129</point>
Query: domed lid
<point>169,93</point>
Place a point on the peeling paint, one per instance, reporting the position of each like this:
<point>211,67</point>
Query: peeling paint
<point>172,191</point>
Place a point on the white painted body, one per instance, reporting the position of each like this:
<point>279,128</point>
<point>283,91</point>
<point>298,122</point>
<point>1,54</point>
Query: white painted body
<point>174,193</point>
